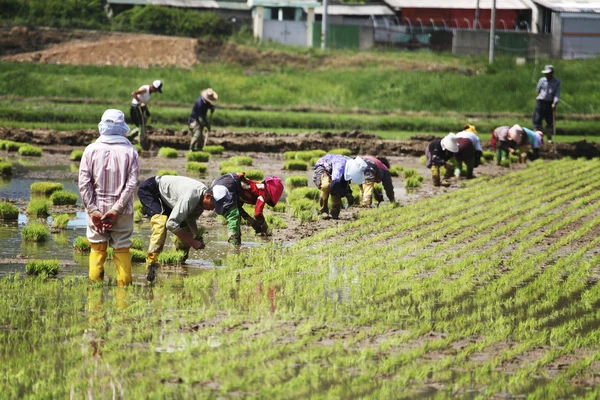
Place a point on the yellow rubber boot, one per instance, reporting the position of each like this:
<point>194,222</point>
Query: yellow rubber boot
<point>157,237</point>
<point>435,175</point>
<point>366,191</point>
<point>325,190</point>
<point>122,259</point>
<point>97,259</point>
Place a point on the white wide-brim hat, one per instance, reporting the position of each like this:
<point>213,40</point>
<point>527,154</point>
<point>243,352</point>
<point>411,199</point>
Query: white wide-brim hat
<point>355,170</point>
<point>449,143</point>
<point>515,133</point>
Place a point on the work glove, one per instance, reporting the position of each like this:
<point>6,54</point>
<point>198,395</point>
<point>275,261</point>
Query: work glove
<point>198,244</point>
<point>96,217</point>
<point>257,226</point>
<point>109,219</point>
<point>378,197</point>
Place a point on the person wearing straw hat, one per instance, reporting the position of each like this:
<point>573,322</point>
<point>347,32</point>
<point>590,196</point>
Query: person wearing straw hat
<point>198,120</point>
<point>173,204</point>
<point>139,111</point>
<point>547,96</point>
<point>437,155</point>
<point>108,175</point>
<point>332,175</point>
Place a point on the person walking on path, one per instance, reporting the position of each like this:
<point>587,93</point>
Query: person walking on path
<point>139,111</point>
<point>108,175</point>
<point>377,171</point>
<point>437,155</point>
<point>173,203</point>
<point>258,194</point>
<point>332,175</point>
<point>547,96</point>
<point>198,121</point>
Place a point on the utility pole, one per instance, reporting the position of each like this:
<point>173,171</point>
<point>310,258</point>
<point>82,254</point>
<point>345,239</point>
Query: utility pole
<point>476,14</point>
<point>493,32</point>
<point>324,26</point>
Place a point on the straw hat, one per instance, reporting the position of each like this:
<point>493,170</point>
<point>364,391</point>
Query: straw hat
<point>355,170</point>
<point>209,95</point>
<point>449,143</point>
<point>515,133</point>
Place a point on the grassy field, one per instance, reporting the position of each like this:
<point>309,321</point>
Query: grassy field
<point>494,294</point>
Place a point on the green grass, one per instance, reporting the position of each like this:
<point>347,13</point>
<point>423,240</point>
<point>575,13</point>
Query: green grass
<point>163,172</point>
<point>216,149</point>
<point>81,244</point>
<point>196,166</point>
<point>42,267</point>
<point>38,207</point>
<point>45,188</point>
<point>295,165</point>
<point>8,211</point>
<point>60,221</point>
<point>168,152</point>
<point>241,160</point>
<point>5,168</point>
<point>30,151</point>
<point>198,156</point>
<point>76,155</point>
<point>35,232</point>
<point>61,198</point>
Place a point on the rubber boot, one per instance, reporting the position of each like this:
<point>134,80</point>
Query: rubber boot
<point>523,158</point>
<point>435,175</point>
<point>325,191</point>
<point>122,259</point>
<point>366,194</point>
<point>97,259</point>
<point>121,298</point>
<point>336,206</point>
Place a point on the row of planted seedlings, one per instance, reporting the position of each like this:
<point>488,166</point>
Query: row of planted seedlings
<point>327,316</point>
<point>23,149</point>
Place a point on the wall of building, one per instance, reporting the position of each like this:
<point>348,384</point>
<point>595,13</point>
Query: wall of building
<point>517,44</point>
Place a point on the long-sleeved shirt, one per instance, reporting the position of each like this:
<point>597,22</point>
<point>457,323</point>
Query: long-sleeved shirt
<point>230,208</point>
<point>548,90</point>
<point>200,108</point>
<point>472,137</point>
<point>436,155</point>
<point>183,196</point>
<point>108,175</point>
<point>334,165</point>
<point>532,138</point>
<point>253,193</point>
<point>381,173</point>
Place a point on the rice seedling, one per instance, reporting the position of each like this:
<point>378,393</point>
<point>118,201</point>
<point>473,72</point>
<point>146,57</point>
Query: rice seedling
<point>81,244</point>
<point>137,255</point>
<point>215,149</point>
<point>295,165</point>
<point>310,193</point>
<point>241,160</point>
<point>45,188</point>
<point>307,155</point>
<point>488,155</point>
<point>168,152</point>
<point>42,267</point>
<point>163,172</point>
<point>395,170</point>
<point>171,257</point>
<point>341,151</point>
<point>137,147</point>
<point>60,221</point>
<point>61,198</point>
<point>38,208</point>
<point>138,216</point>
<point>137,243</point>
<point>280,207</point>
<point>76,155</point>
<point>199,156</point>
<point>513,158</point>
<point>8,211</point>
<point>35,232</point>
<point>255,174</point>
<point>409,173</point>
<point>295,181</point>
<point>505,163</point>
<point>412,182</point>
<point>5,168</point>
<point>196,166</point>
<point>30,151</point>
<point>313,161</point>
<point>275,222</point>
<point>137,205</point>
<point>9,145</point>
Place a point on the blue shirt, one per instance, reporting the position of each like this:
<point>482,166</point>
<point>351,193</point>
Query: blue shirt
<point>334,164</point>
<point>532,138</point>
<point>200,109</point>
<point>548,90</point>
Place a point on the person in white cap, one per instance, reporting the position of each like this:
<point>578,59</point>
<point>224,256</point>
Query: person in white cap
<point>198,120</point>
<point>437,155</point>
<point>108,175</point>
<point>139,111</point>
<point>547,96</point>
<point>332,175</point>
<point>173,203</point>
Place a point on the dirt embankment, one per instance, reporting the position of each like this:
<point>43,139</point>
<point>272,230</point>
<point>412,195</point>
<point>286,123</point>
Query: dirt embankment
<point>269,142</point>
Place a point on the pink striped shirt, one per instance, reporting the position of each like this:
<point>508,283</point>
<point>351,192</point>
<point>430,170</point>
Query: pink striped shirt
<point>108,175</point>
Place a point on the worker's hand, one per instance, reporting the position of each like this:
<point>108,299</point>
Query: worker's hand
<point>554,106</point>
<point>147,112</point>
<point>96,217</point>
<point>143,105</point>
<point>257,226</point>
<point>198,244</point>
<point>109,219</point>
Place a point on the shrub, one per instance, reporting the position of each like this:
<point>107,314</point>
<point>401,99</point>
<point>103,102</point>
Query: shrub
<point>304,193</point>
<point>395,170</point>
<point>412,182</point>
<point>295,181</point>
<point>45,188</point>
<point>40,267</point>
<point>295,165</point>
<point>8,211</point>
<point>255,174</point>
<point>30,151</point>
<point>196,166</point>
<point>137,255</point>
<point>171,257</point>
<point>200,156</point>
<point>241,160</point>
<point>38,207</point>
<point>216,149</point>
<point>163,172</point>
<point>82,245</point>
<point>343,152</point>
<point>5,168</point>
<point>167,152</point>
<point>60,221</point>
<point>61,198</point>
<point>76,155</point>
<point>35,232</point>
<point>137,243</point>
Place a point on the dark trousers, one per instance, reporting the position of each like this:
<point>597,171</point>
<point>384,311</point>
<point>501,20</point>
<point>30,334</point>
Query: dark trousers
<point>543,110</point>
<point>149,196</point>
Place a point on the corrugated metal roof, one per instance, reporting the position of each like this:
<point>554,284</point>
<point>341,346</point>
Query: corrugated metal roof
<point>337,9</point>
<point>570,5</point>
<point>458,4</point>
<point>228,5</point>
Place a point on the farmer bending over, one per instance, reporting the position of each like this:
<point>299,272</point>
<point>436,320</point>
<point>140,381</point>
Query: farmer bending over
<point>377,171</point>
<point>469,132</point>
<point>437,154</point>
<point>268,192</point>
